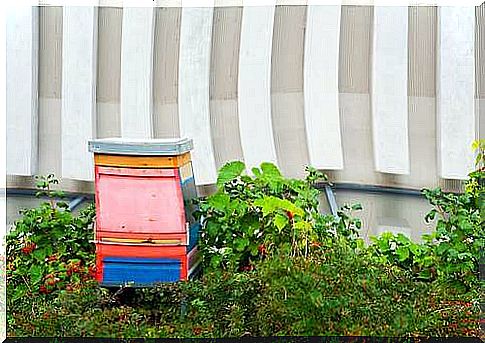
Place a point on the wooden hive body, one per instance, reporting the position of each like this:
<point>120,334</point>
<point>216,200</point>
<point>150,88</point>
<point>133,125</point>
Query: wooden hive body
<point>145,232</point>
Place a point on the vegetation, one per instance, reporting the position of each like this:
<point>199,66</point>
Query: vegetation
<point>273,265</point>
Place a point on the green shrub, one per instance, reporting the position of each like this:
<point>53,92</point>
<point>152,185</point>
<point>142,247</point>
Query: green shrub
<point>251,216</point>
<point>452,252</point>
<point>48,250</point>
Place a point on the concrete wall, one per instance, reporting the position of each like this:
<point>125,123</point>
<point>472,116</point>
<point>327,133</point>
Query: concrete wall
<point>371,95</point>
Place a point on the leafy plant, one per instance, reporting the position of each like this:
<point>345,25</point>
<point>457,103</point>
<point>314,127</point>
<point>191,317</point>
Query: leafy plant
<point>251,216</point>
<point>453,250</point>
<point>49,248</point>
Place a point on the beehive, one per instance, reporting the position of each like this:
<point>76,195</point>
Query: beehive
<point>145,232</point>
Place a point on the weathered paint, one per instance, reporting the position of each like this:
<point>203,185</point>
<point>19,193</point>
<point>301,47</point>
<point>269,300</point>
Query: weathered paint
<point>139,200</point>
<point>187,258</point>
<point>140,271</point>
<point>322,117</point>
<point>141,161</point>
<point>390,90</point>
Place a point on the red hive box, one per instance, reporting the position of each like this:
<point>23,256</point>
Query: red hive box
<point>145,232</point>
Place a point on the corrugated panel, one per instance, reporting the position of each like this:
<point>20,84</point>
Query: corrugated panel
<point>194,71</point>
<point>78,90</point>
<point>22,42</point>
<point>224,114</point>
<point>480,69</point>
<point>287,99</point>
<point>421,103</point>
<point>389,90</point>
<point>321,64</point>
<point>234,89</point>
<point>108,104</point>
<point>137,72</point>
<point>422,51</point>
<point>50,89</point>
<point>355,49</point>
<point>456,90</point>
<point>254,84</point>
<point>480,52</point>
<point>165,72</point>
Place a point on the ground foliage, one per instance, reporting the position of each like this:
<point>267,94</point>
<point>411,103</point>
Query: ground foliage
<point>273,265</point>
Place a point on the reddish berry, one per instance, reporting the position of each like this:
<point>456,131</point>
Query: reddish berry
<point>28,248</point>
<point>52,258</point>
<point>289,214</point>
<point>43,290</point>
<point>92,271</point>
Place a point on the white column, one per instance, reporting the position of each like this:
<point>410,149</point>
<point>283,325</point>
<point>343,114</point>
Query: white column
<point>254,83</point>
<point>456,90</point>
<point>22,42</point>
<point>389,90</point>
<point>136,72</point>
<point>195,48</point>
<point>78,90</point>
<point>321,92</point>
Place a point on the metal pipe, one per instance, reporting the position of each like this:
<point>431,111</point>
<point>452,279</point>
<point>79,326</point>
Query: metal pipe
<point>331,199</point>
<point>76,202</point>
<point>371,189</point>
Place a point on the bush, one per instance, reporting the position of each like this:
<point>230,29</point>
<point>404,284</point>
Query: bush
<point>251,216</point>
<point>452,252</point>
<point>48,251</point>
<point>273,266</point>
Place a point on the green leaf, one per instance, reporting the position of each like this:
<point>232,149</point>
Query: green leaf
<point>357,207</point>
<point>280,221</point>
<point>402,239</point>
<point>35,274</point>
<point>303,225</point>
<point>425,274</point>
<point>241,243</point>
<point>402,253</point>
<point>254,250</point>
<point>20,291</point>
<point>39,255</point>
<point>270,204</point>
<point>383,245</point>
<point>360,243</point>
<point>270,170</point>
<point>219,201</point>
<point>229,172</point>
<point>256,172</point>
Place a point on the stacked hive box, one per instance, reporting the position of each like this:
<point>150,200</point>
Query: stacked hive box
<point>145,232</point>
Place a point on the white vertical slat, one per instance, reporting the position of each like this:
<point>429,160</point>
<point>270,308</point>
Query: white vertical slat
<point>22,40</point>
<point>321,87</point>
<point>254,84</point>
<point>195,48</point>
<point>78,90</point>
<point>389,90</point>
<point>136,72</point>
<point>456,90</point>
